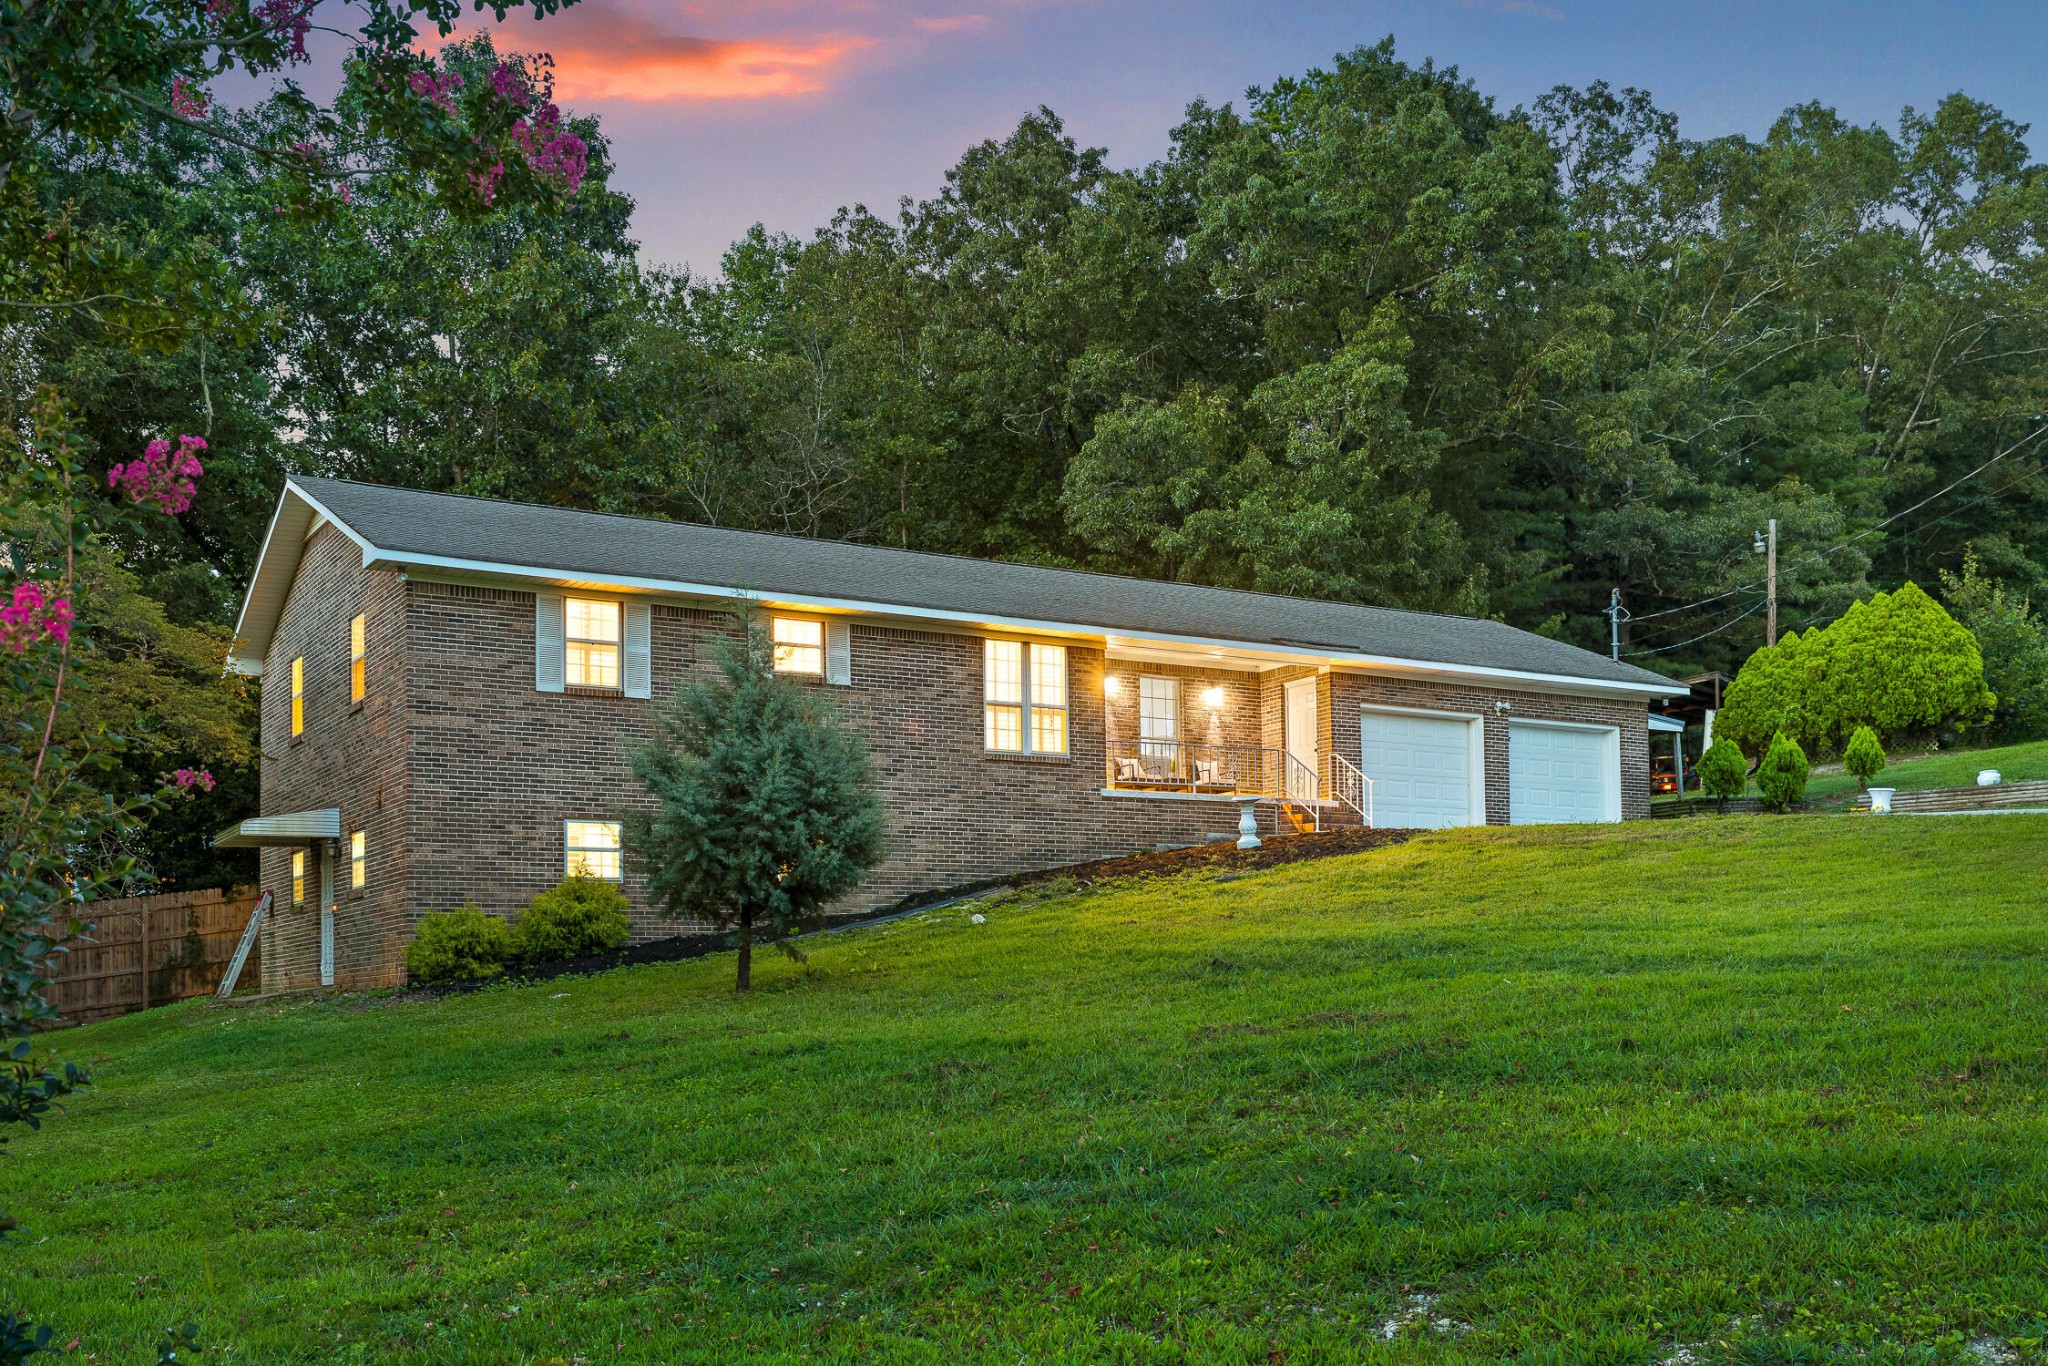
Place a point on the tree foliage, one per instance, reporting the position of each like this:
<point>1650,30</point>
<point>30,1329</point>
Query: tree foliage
<point>2014,644</point>
<point>764,807</point>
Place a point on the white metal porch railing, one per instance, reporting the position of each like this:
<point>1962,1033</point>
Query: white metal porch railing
<point>1348,785</point>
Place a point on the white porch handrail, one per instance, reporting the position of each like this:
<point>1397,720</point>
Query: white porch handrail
<point>1348,785</point>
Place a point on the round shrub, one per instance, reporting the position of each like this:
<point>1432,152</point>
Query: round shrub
<point>462,945</point>
<point>583,915</point>
<point>1723,771</point>
<point>1864,758</point>
<point>1782,774</point>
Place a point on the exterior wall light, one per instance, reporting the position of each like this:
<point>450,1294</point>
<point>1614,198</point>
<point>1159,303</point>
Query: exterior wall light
<point>1212,698</point>
<point>1503,707</point>
<point>1111,685</point>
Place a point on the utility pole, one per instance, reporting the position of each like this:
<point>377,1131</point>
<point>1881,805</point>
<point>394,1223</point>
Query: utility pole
<point>1771,586</point>
<point>1614,621</point>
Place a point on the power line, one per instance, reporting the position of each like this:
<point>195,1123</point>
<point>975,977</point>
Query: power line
<point>1749,611</point>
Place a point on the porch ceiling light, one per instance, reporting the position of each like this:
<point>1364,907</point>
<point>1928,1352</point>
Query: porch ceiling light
<point>1212,698</point>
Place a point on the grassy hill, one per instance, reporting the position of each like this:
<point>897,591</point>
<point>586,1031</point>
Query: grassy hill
<point>1950,768</point>
<point>1753,1088</point>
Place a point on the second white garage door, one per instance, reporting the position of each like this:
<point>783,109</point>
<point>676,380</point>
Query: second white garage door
<point>1557,775</point>
<point>1421,769</point>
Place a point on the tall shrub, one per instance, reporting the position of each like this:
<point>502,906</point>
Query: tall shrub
<point>1781,777</point>
<point>1769,695</point>
<point>1901,665</point>
<point>765,810</point>
<point>1864,758</point>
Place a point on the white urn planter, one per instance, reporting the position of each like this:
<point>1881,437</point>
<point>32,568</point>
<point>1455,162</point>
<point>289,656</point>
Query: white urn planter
<point>1248,823</point>
<point>1988,777</point>
<point>1881,798</point>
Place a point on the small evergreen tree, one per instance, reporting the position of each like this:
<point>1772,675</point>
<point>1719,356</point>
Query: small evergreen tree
<point>1900,664</point>
<point>1769,695</point>
<point>1864,758</point>
<point>1782,775</point>
<point>1723,771</point>
<point>764,804</point>
<point>466,944</point>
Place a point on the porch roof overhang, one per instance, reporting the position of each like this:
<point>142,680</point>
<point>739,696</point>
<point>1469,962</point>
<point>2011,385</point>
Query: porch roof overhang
<point>1670,724</point>
<point>296,827</point>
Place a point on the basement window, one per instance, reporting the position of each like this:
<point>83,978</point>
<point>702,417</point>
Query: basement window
<point>595,849</point>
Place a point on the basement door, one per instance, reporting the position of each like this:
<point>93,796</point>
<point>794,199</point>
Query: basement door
<point>1421,769</point>
<point>1559,775</point>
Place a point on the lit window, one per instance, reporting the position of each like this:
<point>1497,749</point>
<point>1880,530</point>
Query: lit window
<point>298,877</point>
<point>799,646</point>
<point>357,862</point>
<point>357,683</point>
<point>594,850</point>
<point>592,631</point>
<point>298,696</point>
<point>1158,715</point>
<point>1021,705</point>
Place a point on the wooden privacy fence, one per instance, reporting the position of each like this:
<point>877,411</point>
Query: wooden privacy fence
<point>147,951</point>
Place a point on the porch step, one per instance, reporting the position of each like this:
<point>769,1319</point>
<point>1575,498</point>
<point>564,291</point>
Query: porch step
<point>1335,816</point>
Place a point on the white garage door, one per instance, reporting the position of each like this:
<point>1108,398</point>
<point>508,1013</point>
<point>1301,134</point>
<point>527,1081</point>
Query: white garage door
<point>1421,769</point>
<point>1557,775</point>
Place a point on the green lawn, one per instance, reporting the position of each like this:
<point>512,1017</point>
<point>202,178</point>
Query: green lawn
<point>1756,1087</point>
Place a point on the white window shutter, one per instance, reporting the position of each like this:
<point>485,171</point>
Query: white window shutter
<point>838,652</point>
<point>639,662</point>
<point>548,670</point>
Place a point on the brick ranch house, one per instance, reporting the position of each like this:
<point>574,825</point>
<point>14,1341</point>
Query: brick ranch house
<point>451,687</point>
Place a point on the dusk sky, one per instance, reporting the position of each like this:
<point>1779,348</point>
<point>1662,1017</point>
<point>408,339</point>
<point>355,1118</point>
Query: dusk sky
<point>723,113</point>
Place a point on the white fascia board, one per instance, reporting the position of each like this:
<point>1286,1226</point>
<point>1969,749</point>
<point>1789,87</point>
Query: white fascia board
<point>267,564</point>
<point>1590,687</point>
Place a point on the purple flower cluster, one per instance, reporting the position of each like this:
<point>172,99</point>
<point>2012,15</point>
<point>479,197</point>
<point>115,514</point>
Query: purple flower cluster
<point>439,89</point>
<point>508,83</point>
<point>552,153</point>
<point>485,182</point>
<point>162,476</point>
<point>188,101</point>
<point>34,615</point>
<point>191,777</point>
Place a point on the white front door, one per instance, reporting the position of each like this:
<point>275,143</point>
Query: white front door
<point>1559,775</point>
<point>1421,768</point>
<point>1303,782</point>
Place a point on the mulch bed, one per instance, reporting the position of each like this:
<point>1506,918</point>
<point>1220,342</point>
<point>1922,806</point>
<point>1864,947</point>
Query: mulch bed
<point>1222,856</point>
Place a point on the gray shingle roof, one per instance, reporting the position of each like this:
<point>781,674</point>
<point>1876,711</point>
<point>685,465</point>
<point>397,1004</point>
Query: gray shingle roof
<point>604,546</point>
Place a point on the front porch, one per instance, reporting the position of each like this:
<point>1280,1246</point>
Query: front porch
<point>1189,731</point>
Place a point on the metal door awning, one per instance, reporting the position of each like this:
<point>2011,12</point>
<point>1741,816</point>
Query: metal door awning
<point>297,827</point>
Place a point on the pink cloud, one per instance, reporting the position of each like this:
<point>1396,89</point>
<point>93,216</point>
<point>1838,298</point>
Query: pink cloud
<point>953,23</point>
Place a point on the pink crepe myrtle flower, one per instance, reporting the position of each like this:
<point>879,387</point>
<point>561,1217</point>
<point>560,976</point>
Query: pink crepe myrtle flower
<point>552,153</point>
<point>438,89</point>
<point>199,778</point>
<point>508,83</point>
<point>291,19</point>
<point>188,101</point>
<point>485,182</point>
<point>34,615</point>
<point>162,476</point>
